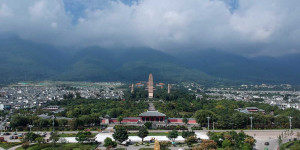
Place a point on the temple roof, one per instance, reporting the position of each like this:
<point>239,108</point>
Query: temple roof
<point>152,113</point>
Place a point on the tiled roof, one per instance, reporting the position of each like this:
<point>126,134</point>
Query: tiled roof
<point>152,113</point>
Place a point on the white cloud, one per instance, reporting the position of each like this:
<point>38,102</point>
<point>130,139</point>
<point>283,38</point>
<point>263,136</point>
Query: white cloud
<point>54,25</point>
<point>5,11</point>
<point>269,27</point>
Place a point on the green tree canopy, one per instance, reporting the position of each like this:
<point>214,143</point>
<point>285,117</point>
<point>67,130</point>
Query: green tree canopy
<point>226,143</point>
<point>120,134</point>
<point>148,125</point>
<point>185,120</point>
<point>120,119</point>
<point>172,135</point>
<point>83,136</point>
<point>186,134</point>
<point>191,140</point>
<point>201,116</point>
<point>143,132</point>
<point>30,136</point>
<point>54,137</point>
<point>108,142</point>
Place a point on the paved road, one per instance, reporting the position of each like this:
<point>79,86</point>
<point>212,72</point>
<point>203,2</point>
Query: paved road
<point>270,136</point>
<point>261,136</point>
<point>151,107</point>
<point>15,147</point>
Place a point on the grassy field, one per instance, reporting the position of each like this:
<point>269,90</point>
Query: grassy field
<point>68,146</point>
<point>6,145</point>
<point>293,145</point>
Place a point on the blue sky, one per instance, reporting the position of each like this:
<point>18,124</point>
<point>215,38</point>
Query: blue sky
<point>77,7</point>
<point>245,27</point>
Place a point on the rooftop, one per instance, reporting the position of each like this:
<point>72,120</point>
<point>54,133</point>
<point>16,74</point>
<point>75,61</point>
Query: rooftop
<point>152,113</point>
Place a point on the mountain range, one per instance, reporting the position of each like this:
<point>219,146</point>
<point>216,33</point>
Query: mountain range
<point>26,60</point>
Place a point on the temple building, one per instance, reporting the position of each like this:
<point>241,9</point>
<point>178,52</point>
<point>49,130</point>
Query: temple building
<point>249,110</point>
<point>149,116</point>
<point>152,116</point>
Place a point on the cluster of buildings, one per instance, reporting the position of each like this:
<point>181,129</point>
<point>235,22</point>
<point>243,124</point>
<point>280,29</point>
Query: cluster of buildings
<point>282,98</point>
<point>29,95</point>
<point>283,95</point>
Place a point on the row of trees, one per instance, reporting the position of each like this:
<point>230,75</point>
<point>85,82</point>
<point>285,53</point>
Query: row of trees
<point>226,140</point>
<point>114,108</point>
<point>82,113</point>
<point>36,138</point>
<point>232,140</point>
<point>21,122</point>
<point>142,94</point>
<point>222,113</point>
<point>239,120</point>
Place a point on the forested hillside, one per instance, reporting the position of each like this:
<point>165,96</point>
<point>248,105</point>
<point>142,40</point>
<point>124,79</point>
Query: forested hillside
<point>25,60</point>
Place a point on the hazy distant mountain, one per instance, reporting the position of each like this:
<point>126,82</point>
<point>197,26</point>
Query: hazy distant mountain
<point>96,64</point>
<point>25,60</point>
<point>230,66</point>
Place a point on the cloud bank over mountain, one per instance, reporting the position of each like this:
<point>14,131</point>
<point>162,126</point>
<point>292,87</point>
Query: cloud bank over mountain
<point>250,28</point>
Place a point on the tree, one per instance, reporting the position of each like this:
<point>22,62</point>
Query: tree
<point>208,144</point>
<point>54,137</point>
<point>108,142</point>
<point>148,125</point>
<point>279,140</point>
<point>78,96</point>
<point>241,137</point>
<point>173,135</point>
<point>226,143</point>
<point>201,116</point>
<point>164,145</point>
<point>250,140</point>
<point>18,120</point>
<point>25,145</point>
<point>296,146</point>
<point>39,140</point>
<point>31,136</point>
<point>185,121</point>
<point>120,134</point>
<point>239,120</point>
<point>41,123</point>
<point>83,136</point>
<point>63,122</point>
<point>191,140</point>
<point>247,146</point>
<point>143,132</point>
<point>120,119</point>
<point>186,134</point>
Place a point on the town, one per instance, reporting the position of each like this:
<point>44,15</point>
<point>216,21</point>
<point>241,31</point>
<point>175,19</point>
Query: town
<point>50,102</point>
<point>33,95</point>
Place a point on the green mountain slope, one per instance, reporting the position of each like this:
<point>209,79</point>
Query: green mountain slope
<point>25,60</point>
